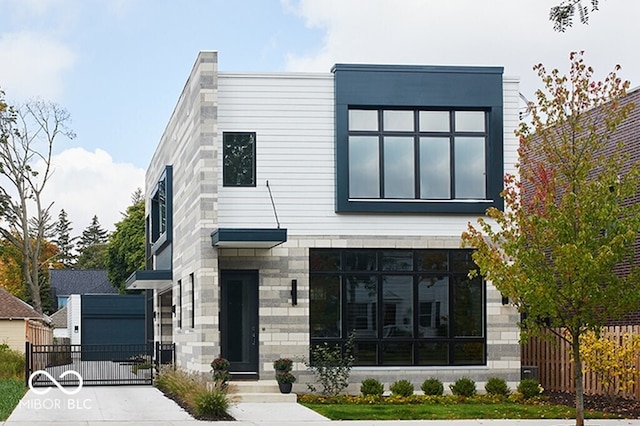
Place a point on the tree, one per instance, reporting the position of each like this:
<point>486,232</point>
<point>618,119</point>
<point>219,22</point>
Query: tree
<point>126,248</point>
<point>27,135</point>
<point>64,241</point>
<point>92,235</point>
<point>562,14</point>
<point>93,257</point>
<point>561,247</point>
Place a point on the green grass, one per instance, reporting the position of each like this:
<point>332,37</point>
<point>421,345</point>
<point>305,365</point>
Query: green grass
<point>11,392</point>
<point>448,412</point>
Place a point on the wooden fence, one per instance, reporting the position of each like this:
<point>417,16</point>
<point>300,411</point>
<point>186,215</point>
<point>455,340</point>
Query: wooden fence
<point>37,333</point>
<point>552,356</point>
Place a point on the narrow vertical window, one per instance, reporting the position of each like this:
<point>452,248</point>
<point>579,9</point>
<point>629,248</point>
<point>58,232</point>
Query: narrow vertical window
<point>193,301</point>
<point>179,313</point>
<point>239,159</point>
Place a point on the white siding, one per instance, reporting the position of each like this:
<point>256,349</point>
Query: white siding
<point>74,312</point>
<point>293,117</point>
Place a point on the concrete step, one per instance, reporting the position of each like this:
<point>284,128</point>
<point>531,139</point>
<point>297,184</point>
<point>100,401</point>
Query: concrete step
<point>258,391</point>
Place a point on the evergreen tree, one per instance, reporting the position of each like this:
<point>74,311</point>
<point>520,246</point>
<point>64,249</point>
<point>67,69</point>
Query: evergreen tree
<point>92,235</point>
<point>64,241</point>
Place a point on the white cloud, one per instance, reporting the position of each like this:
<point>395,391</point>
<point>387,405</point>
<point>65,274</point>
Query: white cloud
<point>86,183</point>
<point>513,34</point>
<point>33,65</point>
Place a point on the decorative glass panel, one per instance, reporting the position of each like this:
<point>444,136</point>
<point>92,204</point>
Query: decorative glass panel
<point>362,310</point>
<point>470,173</point>
<point>238,159</point>
<point>468,307</point>
<point>398,121</point>
<point>434,121</point>
<point>397,299</point>
<point>399,175</point>
<point>435,168</point>
<point>469,121</point>
<point>433,305</point>
<point>363,119</point>
<point>364,167</point>
<point>324,306</point>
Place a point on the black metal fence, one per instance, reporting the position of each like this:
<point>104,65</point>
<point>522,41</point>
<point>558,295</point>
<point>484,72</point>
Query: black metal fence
<point>114,364</point>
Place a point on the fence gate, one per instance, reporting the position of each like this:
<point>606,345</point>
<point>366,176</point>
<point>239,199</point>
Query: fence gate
<point>97,365</point>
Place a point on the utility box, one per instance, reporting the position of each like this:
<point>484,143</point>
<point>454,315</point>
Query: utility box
<point>529,372</point>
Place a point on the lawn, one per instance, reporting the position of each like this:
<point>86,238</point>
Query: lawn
<point>445,409</point>
<point>11,392</point>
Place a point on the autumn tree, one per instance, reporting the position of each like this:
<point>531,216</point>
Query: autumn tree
<point>64,240</point>
<point>569,226</point>
<point>126,248</point>
<point>562,14</point>
<point>27,135</point>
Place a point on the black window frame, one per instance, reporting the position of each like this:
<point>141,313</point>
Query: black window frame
<point>416,134</point>
<point>228,178</point>
<point>396,87</point>
<point>458,263</point>
<point>160,220</point>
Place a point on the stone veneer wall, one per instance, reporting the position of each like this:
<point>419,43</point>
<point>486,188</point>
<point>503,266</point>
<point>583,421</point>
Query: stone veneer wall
<point>284,329</point>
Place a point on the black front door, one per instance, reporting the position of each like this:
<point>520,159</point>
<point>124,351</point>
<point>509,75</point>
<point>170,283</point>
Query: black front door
<point>239,322</point>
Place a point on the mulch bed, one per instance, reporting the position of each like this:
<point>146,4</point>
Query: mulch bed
<point>628,408</point>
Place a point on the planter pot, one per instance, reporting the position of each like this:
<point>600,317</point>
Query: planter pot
<point>285,387</point>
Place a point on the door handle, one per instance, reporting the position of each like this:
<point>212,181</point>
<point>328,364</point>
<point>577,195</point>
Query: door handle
<point>253,336</point>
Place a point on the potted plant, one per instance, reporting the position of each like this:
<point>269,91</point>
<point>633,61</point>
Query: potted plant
<point>285,381</point>
<point>220,368</point>
<point>283,365</point>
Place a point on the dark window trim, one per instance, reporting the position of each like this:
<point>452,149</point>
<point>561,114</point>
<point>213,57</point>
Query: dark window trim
<point>193,300</point>
<point>419,87</point>
<point>254,162</point>
<point>159,240</point>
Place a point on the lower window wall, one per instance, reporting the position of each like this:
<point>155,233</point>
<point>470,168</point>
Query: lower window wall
<point>403,307</point>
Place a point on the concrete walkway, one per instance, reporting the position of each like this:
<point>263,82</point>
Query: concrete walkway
<point>147,406</point>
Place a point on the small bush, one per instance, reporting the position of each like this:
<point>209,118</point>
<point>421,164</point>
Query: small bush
<point>402,388</point>
<point>432,386</point>
<point>529,388</point>
<point>463,387</point>
<point>371,387</point>
<point>11,363</point>
<point>497,386</point>
<point>331,365</point>
<point>211,403</point>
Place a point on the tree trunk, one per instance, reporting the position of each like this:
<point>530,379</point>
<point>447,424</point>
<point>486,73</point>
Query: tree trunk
<point>577,360</point>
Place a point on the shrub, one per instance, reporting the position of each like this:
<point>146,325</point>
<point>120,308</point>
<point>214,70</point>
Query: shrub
<point>331,365</point>
<point>283,364</point>
<point>463,387</point>
<point>371,387</point>
<point>11,363</point>
<point>432,386</point>
<point>193,393</point>
<point>529,388</point>
<point>211,403</point>
<point>497,386</point>
<point>285,377</point>
<point>402,388</point>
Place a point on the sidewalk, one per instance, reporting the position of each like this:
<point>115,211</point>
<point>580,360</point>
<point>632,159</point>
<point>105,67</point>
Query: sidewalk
<point>147,406</point>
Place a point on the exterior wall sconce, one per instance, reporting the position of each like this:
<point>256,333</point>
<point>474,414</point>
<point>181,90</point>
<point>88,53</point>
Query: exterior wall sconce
<point>173,309</point>
<point>505,300</point>
<point>294,292</point>
<point>75,329</point>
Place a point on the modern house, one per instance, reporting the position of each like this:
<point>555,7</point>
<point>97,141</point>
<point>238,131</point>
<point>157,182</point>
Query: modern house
<point>290,209</point>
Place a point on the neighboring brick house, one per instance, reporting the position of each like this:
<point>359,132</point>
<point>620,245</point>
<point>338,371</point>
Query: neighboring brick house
<point>289,209</point>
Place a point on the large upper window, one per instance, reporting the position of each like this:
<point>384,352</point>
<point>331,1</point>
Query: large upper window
<point>418,139</point>
<point>417,154</point>
<point>239,159</point>
<point>406,307</point>
<point>160,214</point>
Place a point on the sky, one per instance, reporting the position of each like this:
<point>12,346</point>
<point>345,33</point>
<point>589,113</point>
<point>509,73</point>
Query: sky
<point>119,66</point>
